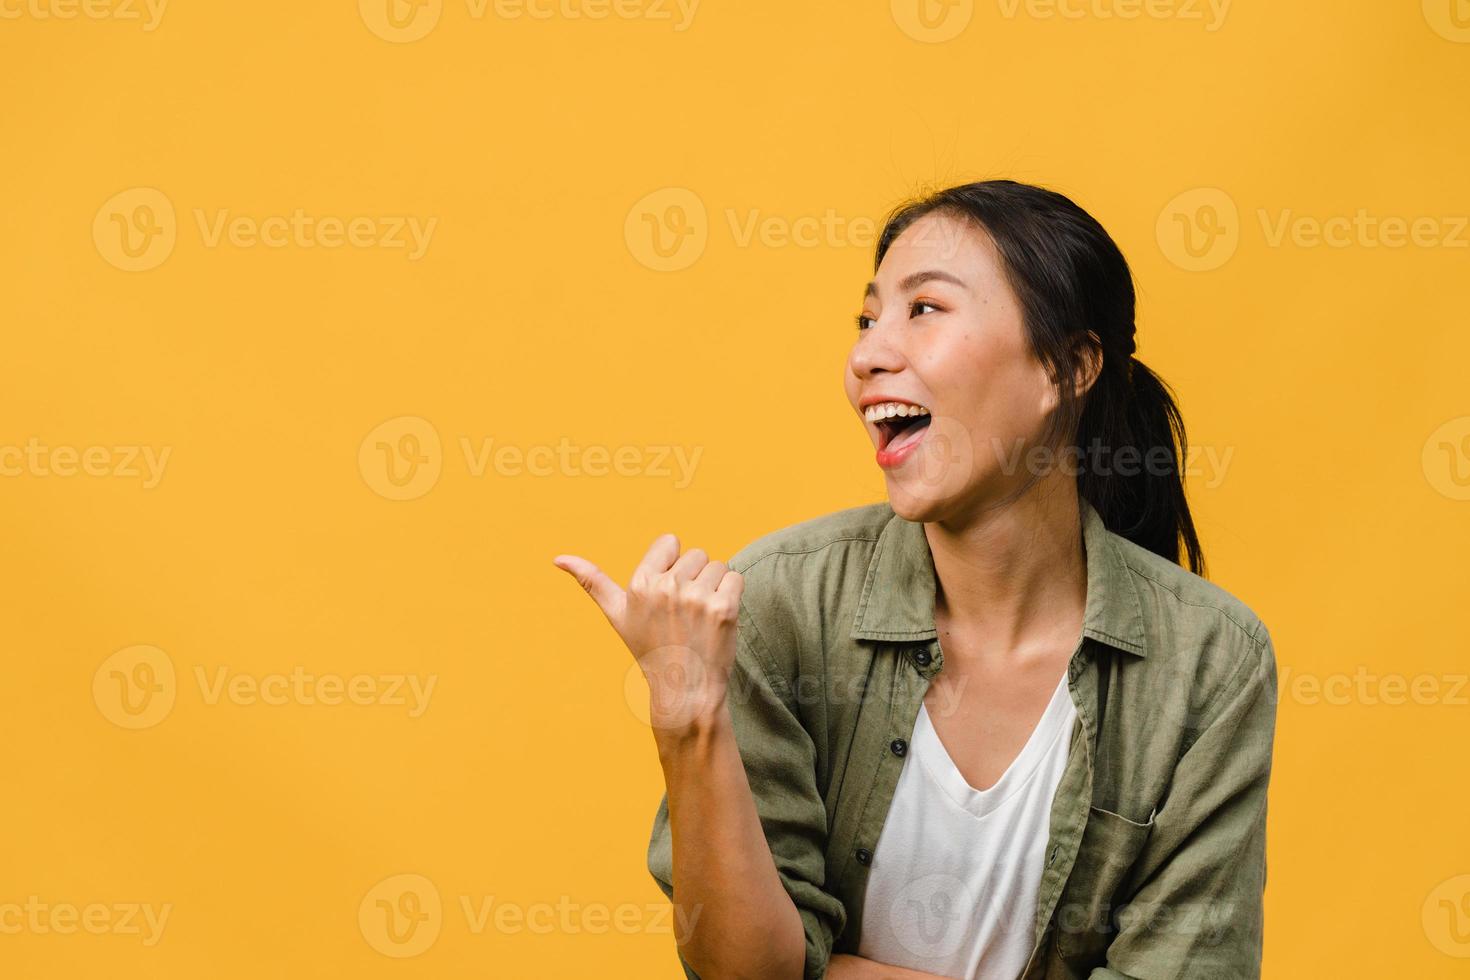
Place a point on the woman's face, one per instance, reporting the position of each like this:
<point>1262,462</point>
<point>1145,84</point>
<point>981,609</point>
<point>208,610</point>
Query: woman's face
<point>943,331</point>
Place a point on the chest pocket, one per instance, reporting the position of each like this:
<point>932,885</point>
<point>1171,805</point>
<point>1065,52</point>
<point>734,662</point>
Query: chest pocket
<point>1085,919</point>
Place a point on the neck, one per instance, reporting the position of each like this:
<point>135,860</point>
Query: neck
<point>1012,579</point>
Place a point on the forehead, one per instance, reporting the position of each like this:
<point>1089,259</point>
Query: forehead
<point>938,242</point>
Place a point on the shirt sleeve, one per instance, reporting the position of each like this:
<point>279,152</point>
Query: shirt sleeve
<point>1198,911</point>
<point>780,764</point>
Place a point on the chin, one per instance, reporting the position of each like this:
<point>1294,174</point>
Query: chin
<point>921,508</point>
<point>953,500</point>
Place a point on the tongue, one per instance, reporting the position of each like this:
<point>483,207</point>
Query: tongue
<point>913,433</point>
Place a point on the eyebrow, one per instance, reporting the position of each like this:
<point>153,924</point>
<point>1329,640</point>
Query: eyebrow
<point>915,279</point>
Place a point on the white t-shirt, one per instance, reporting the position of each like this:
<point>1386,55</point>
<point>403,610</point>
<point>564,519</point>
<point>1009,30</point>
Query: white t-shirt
<point>955,873</point>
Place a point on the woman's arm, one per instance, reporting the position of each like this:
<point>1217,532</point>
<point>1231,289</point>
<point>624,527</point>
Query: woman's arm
<point>844,967</point>
<point>679,619</point>
<point>746,925</point>
<point>1200,906</point>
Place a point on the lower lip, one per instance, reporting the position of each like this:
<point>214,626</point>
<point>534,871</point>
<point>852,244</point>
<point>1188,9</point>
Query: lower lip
<point>889,458</point>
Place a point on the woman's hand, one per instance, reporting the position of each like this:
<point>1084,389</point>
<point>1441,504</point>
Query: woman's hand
<point>678,619</point>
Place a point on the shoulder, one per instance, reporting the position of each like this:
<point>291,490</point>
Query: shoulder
<point>1205,644</point>
<point>1178,596</point>
<point>814,541</point>
<point>803,583</point>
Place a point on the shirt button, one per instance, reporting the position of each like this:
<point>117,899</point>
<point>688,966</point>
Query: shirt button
<point>899,746</point>
<point>864,856</point>
<point>922,658</point>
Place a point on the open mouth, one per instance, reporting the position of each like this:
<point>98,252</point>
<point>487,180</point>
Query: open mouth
<point>899,424</point>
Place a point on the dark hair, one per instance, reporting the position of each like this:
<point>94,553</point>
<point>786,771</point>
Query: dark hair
<point>1076,291</point>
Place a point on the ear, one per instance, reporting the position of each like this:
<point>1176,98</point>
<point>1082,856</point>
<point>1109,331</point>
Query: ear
<point>1089,358</point>
<point>1089,362</point>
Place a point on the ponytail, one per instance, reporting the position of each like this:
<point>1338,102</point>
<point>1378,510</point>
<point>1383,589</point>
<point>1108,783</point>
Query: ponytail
<point>1143,502</point>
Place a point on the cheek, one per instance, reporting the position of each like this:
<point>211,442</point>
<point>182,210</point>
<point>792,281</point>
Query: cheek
<point>989,387</point>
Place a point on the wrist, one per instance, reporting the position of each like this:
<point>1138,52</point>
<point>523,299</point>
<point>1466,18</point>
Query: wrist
<point>696,732</point>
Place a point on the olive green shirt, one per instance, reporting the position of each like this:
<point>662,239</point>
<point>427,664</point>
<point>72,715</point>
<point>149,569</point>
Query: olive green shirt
<point>1155,865</point>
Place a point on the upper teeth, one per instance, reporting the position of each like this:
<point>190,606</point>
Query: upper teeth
<point>887,410</point>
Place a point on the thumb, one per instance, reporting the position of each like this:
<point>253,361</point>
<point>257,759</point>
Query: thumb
<point>608,595</point>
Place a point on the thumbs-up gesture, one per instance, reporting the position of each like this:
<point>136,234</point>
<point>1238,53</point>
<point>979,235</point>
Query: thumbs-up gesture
<point>678,619</point>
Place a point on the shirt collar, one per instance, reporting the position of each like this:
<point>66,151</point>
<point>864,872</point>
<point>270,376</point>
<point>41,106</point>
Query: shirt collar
<point>897,601</point>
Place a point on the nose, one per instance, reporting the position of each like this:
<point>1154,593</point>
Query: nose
<point>875,353</point>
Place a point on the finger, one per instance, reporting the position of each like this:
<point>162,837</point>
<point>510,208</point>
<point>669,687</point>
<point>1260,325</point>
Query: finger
<point>690,564</point>
<point>732,585</point>
<point>709,576</point>
<point>608,595</point>
<point>660,555</point>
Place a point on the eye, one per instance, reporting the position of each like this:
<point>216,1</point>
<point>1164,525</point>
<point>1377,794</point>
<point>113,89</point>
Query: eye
<point>916,304</point>
<point>864,322</point>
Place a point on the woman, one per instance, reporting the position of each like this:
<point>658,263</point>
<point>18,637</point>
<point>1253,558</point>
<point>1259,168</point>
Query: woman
<point>991,728</point>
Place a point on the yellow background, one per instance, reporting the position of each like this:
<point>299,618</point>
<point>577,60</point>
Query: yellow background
<point>546,150</point>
